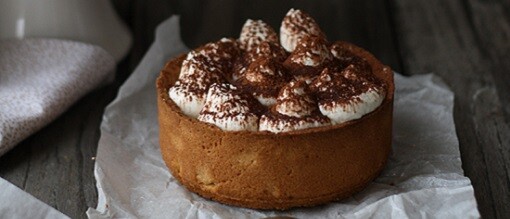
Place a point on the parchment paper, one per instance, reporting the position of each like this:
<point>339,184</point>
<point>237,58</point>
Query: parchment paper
<point>423,179</point>
<point>16,203</point>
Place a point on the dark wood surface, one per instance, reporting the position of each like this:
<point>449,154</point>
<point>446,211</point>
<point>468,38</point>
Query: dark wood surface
<point>467,43</point>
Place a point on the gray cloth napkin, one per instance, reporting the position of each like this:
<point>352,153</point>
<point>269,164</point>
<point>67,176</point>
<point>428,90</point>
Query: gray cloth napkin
<point>40,79</point>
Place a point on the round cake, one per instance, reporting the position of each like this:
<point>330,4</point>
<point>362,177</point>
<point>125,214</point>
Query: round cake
<point>264,123</point>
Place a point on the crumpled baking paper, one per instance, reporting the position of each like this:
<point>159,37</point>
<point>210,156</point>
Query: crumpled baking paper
<point>423,178</point>
<point>41,78</point>
<point>16,203</point>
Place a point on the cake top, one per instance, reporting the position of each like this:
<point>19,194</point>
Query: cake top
<point>257,83</point>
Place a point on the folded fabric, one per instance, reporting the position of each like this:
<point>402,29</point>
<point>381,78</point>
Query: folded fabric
<point>40,79</point>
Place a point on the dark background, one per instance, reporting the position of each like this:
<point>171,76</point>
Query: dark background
<point>467,43</point>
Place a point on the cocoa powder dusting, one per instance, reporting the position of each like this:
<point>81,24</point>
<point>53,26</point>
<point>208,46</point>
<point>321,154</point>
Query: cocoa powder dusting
<point>266,69</point>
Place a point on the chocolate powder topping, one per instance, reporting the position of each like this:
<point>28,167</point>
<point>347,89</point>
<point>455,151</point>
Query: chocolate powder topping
<point>267,50</point>
<point>295,99</point>
<point>234,102</point>
<point>255,32</point>
<point>316,116</point>
<point>310,57</point>
<point>302,24</point>
<point>258,65</point>
<point>264,76</point>
<point>332,87</point>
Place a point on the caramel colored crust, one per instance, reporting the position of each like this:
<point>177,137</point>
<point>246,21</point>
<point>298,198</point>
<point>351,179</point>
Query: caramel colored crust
<point>264,170</point>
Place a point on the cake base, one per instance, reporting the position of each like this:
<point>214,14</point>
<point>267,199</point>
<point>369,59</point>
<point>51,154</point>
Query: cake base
<point>265,170</point>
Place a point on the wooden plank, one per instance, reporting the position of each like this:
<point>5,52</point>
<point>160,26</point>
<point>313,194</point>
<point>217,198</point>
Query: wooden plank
<point>88,140</point>
<point>15,164</point>
<point>147,14</point>
<point>53,171</point>
<point>491,23</point>
<point>55,165</point>
<point>437,36</point>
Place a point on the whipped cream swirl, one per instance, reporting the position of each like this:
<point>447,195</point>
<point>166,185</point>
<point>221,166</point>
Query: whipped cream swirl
<point>347,95</point>
<point>296,25</point>
<point>256,84</point>
<point>254,32</point>
<point>201,68</point>
<point>312,51</point>
<point>264,78</point>
<point>229,109</point>
<point>295,109</point>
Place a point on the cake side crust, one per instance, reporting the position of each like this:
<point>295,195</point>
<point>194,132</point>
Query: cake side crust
<point>275,171</point>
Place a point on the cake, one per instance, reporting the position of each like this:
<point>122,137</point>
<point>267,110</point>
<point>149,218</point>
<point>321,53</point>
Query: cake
<point>275,122</point>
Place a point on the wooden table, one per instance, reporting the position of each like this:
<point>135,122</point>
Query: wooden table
<point>467,43</point>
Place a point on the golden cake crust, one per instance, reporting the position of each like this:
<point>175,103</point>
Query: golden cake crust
<point>265,170</point>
